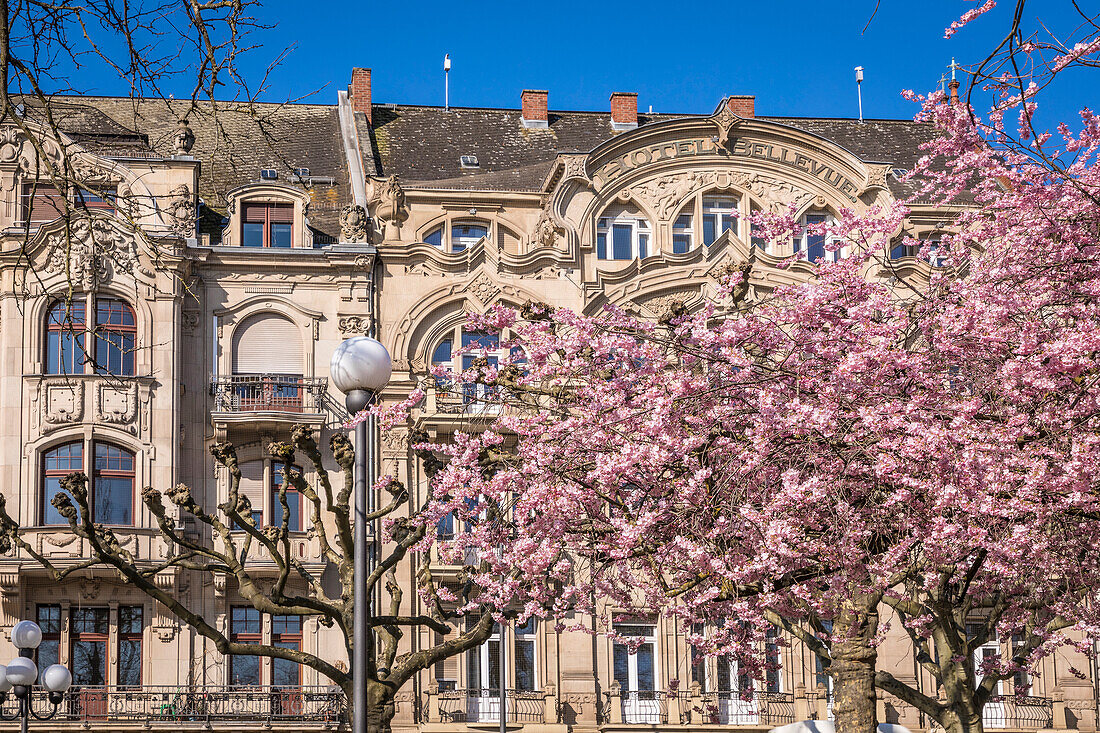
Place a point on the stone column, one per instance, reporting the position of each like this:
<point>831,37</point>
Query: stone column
<point>616,712</point>
<point>801,704</point>
<point>550,704</point>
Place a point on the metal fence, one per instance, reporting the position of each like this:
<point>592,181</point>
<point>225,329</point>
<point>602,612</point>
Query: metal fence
<point>745,708</point>
<point>269,392</point>
<point>148,703</point>
<point>1018,711</point>
<point>482,705</point>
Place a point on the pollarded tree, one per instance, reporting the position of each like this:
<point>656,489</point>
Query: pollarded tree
<point>234,548</point>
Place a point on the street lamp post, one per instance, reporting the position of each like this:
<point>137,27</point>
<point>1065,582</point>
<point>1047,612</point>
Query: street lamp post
<point>360,367</point>
<point>19,677</point>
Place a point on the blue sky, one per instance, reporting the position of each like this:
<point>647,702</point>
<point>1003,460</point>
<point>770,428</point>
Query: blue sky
<point>796,56</point>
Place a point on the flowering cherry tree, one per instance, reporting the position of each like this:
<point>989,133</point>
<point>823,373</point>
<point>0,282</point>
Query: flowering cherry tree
<point>924,449</point>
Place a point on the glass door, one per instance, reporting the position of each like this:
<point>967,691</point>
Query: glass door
<point>483,680</point>
<point>636,674</point>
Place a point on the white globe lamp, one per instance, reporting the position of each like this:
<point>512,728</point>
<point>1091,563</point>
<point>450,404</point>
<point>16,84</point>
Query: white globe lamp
<point>26,635</point>
<point>57,678</point>
<point>21,671</point>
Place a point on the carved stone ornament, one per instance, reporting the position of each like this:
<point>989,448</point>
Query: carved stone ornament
<point>15,147</point>
<point>391,208</point>
<point>663,194</point>
<point>725,120</point>
<point>184,139</point>
<point>116,405</point>
<point>89,588</point>
<point>777,196</point>
<point>353,324</point>
<point>190,322</point>
<point>354,225</point>
<point>546,233</point>
<point>181,211</point>
<point>662,304</point>
<point>574,167</point>
<point>63,403</point>
<point>483,288</point>
<point>87,254</point>
<point>876,176</point>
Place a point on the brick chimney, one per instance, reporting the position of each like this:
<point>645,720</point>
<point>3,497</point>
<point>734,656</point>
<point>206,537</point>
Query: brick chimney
<point>624,111</point>
<point>533,103</point>
<point>742,105</point>
<point>359,91</point>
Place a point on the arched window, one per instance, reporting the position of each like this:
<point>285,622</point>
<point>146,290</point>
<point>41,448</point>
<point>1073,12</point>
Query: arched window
<point>810,243</point>
<point>65,338</point>
<point>116,332</point>
<point>459,235</point>
<point>110,490</point>
<point>57,463</point>
<point>267,363</point>
<point>683,233</point>
<point>115,337</point>
<point>474,345</point>
<point>622,233</point>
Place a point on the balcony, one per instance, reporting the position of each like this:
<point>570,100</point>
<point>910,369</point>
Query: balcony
<point>477,707</point>
<point>279,708</point>
<point>762,710</point>
<point>268,400</point>
<point>1018,712</point>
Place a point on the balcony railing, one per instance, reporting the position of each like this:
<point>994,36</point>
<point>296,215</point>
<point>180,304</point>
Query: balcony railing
<point>746,708</point>
<point>482,705</point>
<point>1018,711</point>
<point>147,703</point>
<point>269,393</point>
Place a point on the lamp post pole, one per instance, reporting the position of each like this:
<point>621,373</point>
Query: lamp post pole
<point>360,367</point>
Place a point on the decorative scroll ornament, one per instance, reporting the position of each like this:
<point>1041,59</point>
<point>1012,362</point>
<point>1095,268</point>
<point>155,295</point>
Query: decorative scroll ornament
<point>353,324</point>
<point>546,233</point>
<point>725,120</point>
<point>354,224</point>
<point>90,250</point>
<point>181,210</point>
<point>184,139</point>
<point>391,208</point>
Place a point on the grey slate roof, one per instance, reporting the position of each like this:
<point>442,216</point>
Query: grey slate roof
<point>232,144</point>
<point>422,145</point>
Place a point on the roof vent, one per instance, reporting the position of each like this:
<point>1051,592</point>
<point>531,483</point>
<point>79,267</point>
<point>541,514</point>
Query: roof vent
<point>268,174</point>
<point>468,161</point>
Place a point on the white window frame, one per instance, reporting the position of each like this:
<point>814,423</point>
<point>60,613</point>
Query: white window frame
<point>640,706</point>
<point>801,240</point>
<point>714,206</point>
<point>450,242</point>
<point>682,231</point>
<point>641,233</point>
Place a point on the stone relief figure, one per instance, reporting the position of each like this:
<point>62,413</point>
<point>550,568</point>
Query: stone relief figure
<point>391,208</point>
<point>354,224</point>
<point>88,250</point>
<point>546,233</point>
<point>181,211</point>
<point>184,139</point>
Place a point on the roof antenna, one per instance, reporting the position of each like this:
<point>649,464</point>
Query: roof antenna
<point>446,82</point>
<point>859,90</point>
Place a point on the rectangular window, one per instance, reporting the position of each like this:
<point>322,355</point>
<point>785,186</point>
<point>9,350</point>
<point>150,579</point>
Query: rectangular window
<point>49,620</point>
<point>41,203</point>
<point>116,333</point>
<point>245,628</point>
<point>286,633</point>
<point>89,633</point>
<point>622,241</point>
<point>293,499</point>
<point>525,655</point>
<point>815,242</point>
<point>104,200</point>
<point>130,629</point>
<point>681,234</point>
<point>267,225</point>
<point>718,218</point>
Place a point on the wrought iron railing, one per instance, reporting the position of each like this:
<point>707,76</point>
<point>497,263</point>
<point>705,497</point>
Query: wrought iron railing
<point>482,705</point>
<point>646,706</point>
<point>269,393</point>
<point>745,708</point>
<point>320,704</point>
<point>1018,711</point>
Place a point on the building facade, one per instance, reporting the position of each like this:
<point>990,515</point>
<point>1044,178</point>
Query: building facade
<point>269,238</point>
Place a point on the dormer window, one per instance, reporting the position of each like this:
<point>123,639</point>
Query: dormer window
<point>267,225</point>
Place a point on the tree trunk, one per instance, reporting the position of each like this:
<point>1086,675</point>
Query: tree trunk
<point>853,667</point>
<point>962,714</point>
<point>380,704</point>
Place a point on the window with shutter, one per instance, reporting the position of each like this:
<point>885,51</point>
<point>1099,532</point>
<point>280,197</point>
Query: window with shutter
<point>41,203</point>
<point>252,486</point>
<point>267,343</point>
<point>267,225</point>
